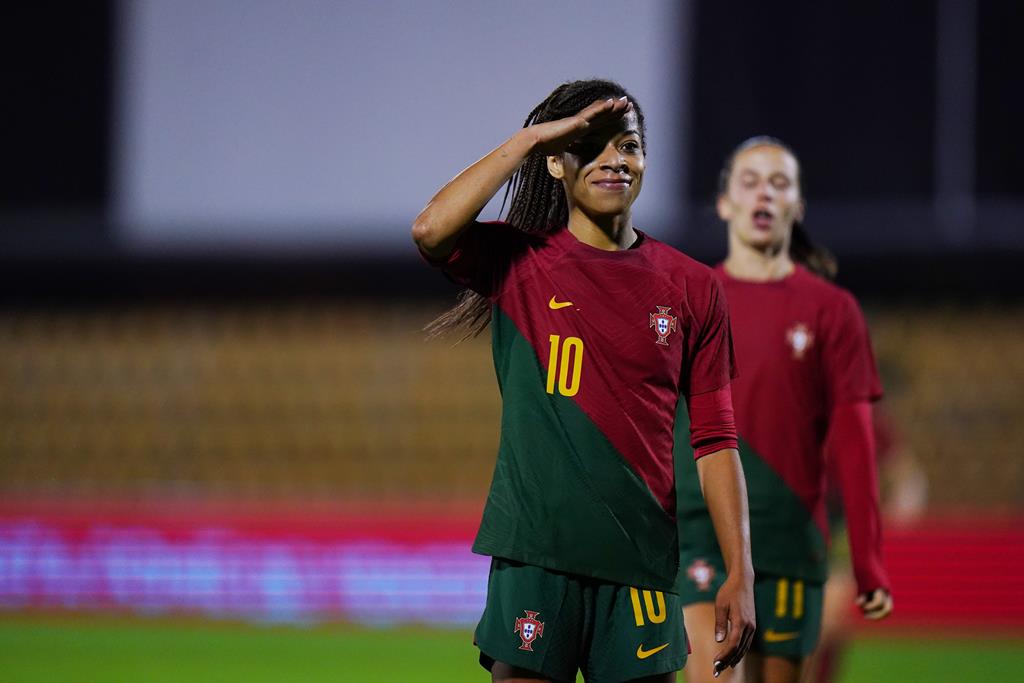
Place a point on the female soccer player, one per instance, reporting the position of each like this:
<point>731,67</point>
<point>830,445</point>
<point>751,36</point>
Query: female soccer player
<point>597,331</point>
<point>807,377</point>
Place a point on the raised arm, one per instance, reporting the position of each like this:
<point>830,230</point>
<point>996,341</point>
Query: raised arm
<point>457,204</point>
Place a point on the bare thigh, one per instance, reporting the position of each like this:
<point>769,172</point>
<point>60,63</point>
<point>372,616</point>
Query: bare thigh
<point>660,678</point>
<point>761,669</point>
<point>700,629</point>
<point>506,673</point>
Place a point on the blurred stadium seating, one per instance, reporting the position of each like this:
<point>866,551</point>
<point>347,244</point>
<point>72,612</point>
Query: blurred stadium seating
<point>336,402</point>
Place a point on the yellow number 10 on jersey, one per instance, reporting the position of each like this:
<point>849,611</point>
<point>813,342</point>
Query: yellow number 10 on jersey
<point>567,377</point>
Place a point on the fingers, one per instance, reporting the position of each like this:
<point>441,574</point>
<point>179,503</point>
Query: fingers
<point>731,651</point>
<point>744,648</point>
<point>875,605</point>
<point>737,646</point>
<point>721,631</point>
<point>743,639</point>
<point>721,620</point>
<point>606,109</point>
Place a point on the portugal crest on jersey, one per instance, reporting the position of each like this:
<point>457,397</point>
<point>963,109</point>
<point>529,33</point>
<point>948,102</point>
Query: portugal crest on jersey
<point>800,338</point>
<point>701,573</point>
<point>663,323</point>
<point>529,629</point>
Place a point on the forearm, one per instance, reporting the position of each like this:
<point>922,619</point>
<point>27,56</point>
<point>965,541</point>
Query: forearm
<point>852,444</point>
<point>457,204</point>
<point>725,492</point>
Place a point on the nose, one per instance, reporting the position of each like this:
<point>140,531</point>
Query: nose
<point>765,190</point>
<point>612,160</point>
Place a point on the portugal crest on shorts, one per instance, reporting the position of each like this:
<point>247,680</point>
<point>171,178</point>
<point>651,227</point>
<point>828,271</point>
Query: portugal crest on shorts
<point>663,323</point>
<point>529,629</point>
<point>800,338</point>
<point>701,573</point>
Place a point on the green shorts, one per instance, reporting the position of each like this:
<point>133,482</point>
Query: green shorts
<point>788,610</point>
<point>556,624</point>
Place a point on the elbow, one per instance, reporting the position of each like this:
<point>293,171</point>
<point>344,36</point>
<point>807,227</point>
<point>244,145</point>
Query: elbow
<point>423,233</point>
<point>433,238</point>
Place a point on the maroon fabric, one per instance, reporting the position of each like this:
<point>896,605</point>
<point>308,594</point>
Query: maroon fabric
<point>851,443</point>
<point>803,346</point>
<point>630,383</point>
<point>712,425</point>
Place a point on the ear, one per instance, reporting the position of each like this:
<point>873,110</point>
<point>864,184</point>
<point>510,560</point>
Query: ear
<point>725,210</point>
<point>556,167</point>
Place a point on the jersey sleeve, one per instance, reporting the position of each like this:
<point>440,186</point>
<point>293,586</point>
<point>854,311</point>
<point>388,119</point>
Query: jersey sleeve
<point>712,361</point>
<point>482,255</point>
<point>712,424</point>
<point>851,447</point>
<point>849,362</point>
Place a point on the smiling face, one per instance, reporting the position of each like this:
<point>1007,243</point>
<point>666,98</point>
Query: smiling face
<point>602,173</point>
<point>762,198</point>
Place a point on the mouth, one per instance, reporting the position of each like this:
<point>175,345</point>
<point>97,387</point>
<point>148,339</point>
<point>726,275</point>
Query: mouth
<point>762,219</point>
<point>613,184</point>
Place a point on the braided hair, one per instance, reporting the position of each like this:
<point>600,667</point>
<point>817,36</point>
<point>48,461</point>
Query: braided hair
<point>802,249</point>
<point>536,200</point>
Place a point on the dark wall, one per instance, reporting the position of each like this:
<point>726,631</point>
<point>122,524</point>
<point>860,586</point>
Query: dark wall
<point>55,135</point>
<point>1000,137</point>
<point>850,86</point>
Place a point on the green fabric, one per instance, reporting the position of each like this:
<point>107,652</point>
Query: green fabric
<point>562,497</point>
<point>784,540</point>
<point>555,624</point>
<point>788,624</point>
<point>792,634</point>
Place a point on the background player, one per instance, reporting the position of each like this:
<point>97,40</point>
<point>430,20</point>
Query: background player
<point>597,329</point>
<point>808,373</point>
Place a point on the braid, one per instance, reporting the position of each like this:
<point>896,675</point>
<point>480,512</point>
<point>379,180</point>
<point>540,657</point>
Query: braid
<point>802,248</point>
<point>536,200</point>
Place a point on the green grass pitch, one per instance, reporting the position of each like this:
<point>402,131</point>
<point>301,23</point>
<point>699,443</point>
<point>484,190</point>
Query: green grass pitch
<point>113,650</point>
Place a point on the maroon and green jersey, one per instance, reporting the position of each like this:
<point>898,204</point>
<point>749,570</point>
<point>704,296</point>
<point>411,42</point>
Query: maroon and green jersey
<point>592,351</point>
<point>803,348</point>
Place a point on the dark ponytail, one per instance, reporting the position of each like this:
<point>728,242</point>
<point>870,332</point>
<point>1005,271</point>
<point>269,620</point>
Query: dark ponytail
<point>811,255</point>
<point>802,248</point>
<point>538,203</point>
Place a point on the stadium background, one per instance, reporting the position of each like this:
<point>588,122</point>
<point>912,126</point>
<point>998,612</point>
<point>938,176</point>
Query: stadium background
<point>226,449</point>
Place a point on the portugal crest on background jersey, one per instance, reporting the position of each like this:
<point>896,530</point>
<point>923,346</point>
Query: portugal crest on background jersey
<point>800,338</point>
<point>529,629</point>
<point>663,323</point>
<point>701,573</point>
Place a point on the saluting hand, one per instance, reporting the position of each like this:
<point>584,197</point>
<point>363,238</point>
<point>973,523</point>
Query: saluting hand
<point>734,621</point>
<point>554,137</point>
<point>875,605</point>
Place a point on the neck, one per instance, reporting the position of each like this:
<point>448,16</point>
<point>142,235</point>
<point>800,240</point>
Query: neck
<point>745,262</point>
<point>610,233</point>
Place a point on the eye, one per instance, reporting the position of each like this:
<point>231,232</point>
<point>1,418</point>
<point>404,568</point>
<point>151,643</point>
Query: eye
<point>631,146</point>
<point>780,182</point>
